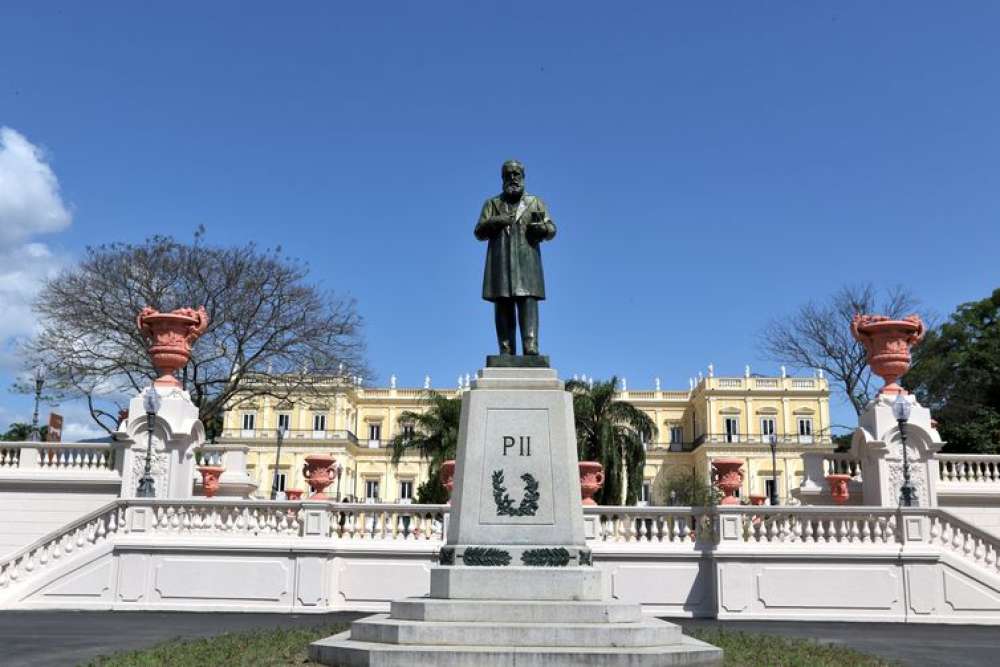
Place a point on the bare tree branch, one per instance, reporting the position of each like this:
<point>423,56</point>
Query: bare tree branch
<point>266,321</point>
<point>818,336</point>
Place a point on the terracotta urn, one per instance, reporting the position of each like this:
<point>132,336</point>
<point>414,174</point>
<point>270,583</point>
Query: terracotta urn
<point>888,342</point>
<point>448,476</point>
<point>293,494</point>
<point>838,488</point>
<point>729,478</point>
<point>170,336</point>
<point>591,480</point>
<point>757,499</point>
<point>319,474</point>
<point>210,479</point>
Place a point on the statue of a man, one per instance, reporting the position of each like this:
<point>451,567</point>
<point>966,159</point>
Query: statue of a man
<point>514,223</point>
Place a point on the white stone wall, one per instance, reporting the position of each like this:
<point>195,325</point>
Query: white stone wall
<point>984,518</point>
<point>29,512</point>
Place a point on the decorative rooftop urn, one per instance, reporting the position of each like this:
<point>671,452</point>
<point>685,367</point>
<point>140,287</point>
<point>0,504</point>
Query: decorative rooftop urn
<point>888,344</point>
<point>293,494</point>
<point>729,478</point>
<point>319,473</point>
<point>591,480</point>
<point>210,479</point>
<point>448,476</point>
<point>838,488</point>
<point>171,336</point>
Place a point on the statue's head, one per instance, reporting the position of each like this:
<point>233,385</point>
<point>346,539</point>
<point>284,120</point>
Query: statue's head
<point>512,173</point>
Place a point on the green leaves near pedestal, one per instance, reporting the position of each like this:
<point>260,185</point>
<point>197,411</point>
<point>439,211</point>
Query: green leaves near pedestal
<point>484,556</point>
<point>505,506</point>
<point>557,557</point>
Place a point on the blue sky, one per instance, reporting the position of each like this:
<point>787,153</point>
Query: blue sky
<point>709,165</point>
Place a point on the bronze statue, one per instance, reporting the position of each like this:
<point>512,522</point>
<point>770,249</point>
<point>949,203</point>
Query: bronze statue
<point>514,223</point>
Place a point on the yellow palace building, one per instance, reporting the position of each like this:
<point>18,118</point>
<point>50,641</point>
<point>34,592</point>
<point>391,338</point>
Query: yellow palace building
<point>731,416</point>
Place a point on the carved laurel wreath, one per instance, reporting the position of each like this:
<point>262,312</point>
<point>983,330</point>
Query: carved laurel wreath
<point>557,557</point>
<point>485,556</point>
<point>505,506</point>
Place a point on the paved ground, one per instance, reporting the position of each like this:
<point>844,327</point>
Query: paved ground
<point>47,639</point>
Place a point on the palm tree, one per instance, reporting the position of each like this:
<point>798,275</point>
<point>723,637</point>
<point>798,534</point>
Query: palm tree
<point>612,433</point>
<point>434,436</point>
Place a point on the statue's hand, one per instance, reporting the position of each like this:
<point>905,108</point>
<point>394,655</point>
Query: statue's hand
<point>498,222</point>
<point>536,230</point>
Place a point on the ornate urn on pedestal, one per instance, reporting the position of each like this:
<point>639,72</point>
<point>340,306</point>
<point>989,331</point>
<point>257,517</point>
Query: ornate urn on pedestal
<point>448,476</point>
<point>729,478</point>
<point>319,473</point>
<point>888,344</point>
<point>591,480</point>
<point>171,336</point>
<point>210,479</point>
<point>838,488</point>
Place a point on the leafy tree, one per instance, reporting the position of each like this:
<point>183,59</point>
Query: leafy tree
<point>20,432</point>
<point>267,324</point>
<point>434,437</point>
<point>611,432</point>
<point>686,488</point>
<point>818,335</point>
<point>956,373</point>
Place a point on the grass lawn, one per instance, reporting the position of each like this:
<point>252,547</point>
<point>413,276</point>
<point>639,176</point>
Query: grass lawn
<point>274,648</point>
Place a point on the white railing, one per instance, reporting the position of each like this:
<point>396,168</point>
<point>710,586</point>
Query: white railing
<point>977,469</point>
<point>842,464</point>
<point>54,456</point>
<point>676,532</point>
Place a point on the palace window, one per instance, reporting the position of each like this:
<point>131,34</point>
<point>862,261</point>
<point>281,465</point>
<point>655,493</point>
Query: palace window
<point>805,429</point>
<point>766,428</point>
<point>732,426</point>
<point>676,435</point>
<point>768,488</point>
<point>408,431</point>
<point>248,421</point>
<point>371,489</point>
<point>406,489</point>
<point>279,481</point>
<point>375,431</point>
<point>319,422</point>
<point>644,493</point>
<point>284,421</point>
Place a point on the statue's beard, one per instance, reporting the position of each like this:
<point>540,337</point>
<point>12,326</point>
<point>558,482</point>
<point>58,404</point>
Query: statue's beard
<point>513,191</point>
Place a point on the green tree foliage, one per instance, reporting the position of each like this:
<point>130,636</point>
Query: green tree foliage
<point>434,437</point>
<point>956,373</point>
<point>611,432</point>
<point>684,487</point>
<point>20,432</point>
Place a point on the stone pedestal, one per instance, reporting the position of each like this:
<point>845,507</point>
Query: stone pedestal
<point>877,444</point>
<point>515,584</point>
<point>177,431</point>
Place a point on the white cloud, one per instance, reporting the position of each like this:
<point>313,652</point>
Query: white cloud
<point>30,203</point>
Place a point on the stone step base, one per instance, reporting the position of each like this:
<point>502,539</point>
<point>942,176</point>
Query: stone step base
<point>384,630</point>
<point>342,651</point>
<point>516,583</point>
<point>526,611</point>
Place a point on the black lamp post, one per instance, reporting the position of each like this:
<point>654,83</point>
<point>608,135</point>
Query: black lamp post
<point>39,375</point>
<point>277,465</point>
<point>773,442</point>
<point>901,411</point>
<point>340,469</point>
<point>151,403</point>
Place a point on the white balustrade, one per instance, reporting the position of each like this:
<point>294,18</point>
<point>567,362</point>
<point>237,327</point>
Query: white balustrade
<point>57,457</point>
<point>969,469</point>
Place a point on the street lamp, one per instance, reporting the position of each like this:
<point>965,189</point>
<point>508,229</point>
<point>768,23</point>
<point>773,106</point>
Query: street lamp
<point>773,442</point>
<point>340,469</point>
<point>277,465</point>
<point>151,404</point>
<point>39,375</point>
<point>901,411</point>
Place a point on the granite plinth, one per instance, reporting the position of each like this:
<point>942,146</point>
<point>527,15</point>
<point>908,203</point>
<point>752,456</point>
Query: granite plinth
<point>342,651</point>
<point>517,361</point>
<point>495,611</point>
<point>516,583</point>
